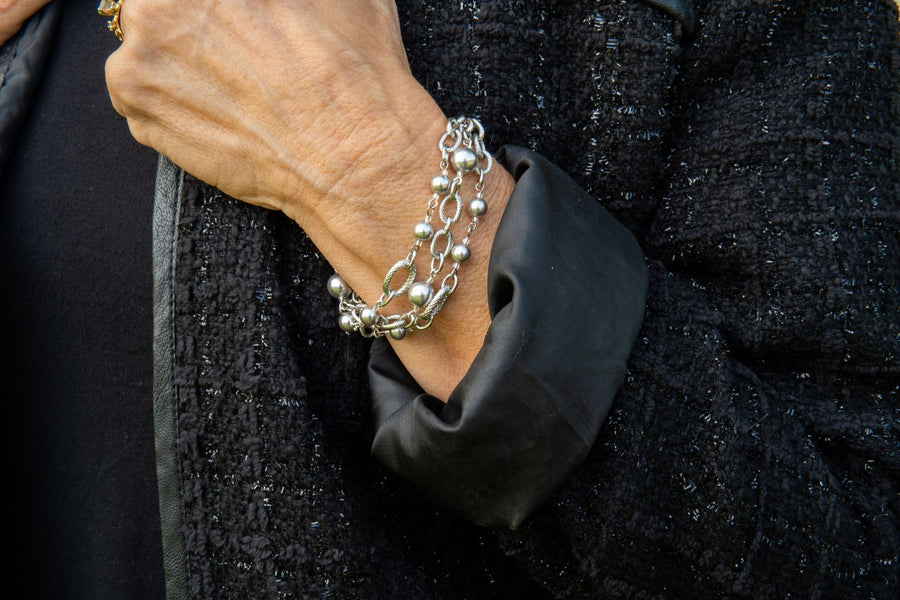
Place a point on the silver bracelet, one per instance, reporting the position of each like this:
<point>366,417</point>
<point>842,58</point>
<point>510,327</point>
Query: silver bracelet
<point>462,150</point>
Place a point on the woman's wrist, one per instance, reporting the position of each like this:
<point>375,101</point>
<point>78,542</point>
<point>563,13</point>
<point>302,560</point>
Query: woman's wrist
<point>440,356</point>
<point>364,224</point>
<point>367,226</point>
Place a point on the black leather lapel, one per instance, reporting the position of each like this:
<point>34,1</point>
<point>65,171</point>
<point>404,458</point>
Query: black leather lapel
<point>169,181</point>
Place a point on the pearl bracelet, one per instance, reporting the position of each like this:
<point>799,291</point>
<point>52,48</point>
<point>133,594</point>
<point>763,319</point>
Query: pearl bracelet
<point>462,149</point>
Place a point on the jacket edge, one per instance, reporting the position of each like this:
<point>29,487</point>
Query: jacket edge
<point>169,180</point>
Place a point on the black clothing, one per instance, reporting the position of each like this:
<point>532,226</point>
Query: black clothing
<point>753,449</point>
<point>75,203</point>
<point>526,413</point>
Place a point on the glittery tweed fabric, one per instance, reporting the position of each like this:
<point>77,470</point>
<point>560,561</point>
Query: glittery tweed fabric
<point>754,451</point>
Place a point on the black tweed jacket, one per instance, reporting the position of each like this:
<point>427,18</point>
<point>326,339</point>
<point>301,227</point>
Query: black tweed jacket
<point>751,147</point>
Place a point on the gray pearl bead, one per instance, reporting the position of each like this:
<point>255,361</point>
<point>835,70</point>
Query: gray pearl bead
<point>336,285</point>
<point>440,184</point>
<point>420,294</point>
<point>368,316</point>
<point>460,253</point>
<point>398,334</point>
<point>464,160</point>
<point>477,207</point>
<point>423,231</point>
<point>346,322</point>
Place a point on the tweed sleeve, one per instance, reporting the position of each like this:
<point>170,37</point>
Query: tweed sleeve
<point>753,449</point>
<point>566,286</point>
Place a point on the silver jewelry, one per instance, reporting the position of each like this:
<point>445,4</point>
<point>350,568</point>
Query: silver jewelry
<point>463,155</point>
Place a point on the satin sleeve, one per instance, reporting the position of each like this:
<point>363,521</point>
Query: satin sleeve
<point>566,291</point>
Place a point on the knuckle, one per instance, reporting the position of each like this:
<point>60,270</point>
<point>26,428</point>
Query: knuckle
<point>123,81</point>
<point>115,70</point>
<point>116,83</point>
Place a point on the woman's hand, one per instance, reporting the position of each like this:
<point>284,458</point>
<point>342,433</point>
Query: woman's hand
<point>308,107</point>
<point>289,105</point>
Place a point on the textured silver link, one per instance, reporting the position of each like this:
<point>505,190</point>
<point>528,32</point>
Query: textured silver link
<point>403,264</point>
<point>463,154</point>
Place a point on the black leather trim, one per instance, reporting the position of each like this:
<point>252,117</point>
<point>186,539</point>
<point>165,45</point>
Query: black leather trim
<point>21,66</point>
<point>683,10</point>
<point>167,202</point>
<point>566,291</point>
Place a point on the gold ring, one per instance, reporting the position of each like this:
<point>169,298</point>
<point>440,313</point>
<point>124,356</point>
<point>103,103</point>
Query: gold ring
<point>111,8</point>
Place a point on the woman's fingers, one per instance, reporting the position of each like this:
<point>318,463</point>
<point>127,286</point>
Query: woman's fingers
<point>284,92</point>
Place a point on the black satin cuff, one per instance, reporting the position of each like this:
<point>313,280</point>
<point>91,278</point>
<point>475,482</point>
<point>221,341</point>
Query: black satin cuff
<point>566,290</point>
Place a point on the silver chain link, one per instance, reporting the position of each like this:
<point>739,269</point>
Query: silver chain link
<point>463,154</point>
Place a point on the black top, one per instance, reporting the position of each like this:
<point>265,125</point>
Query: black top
<point>81,517</point>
